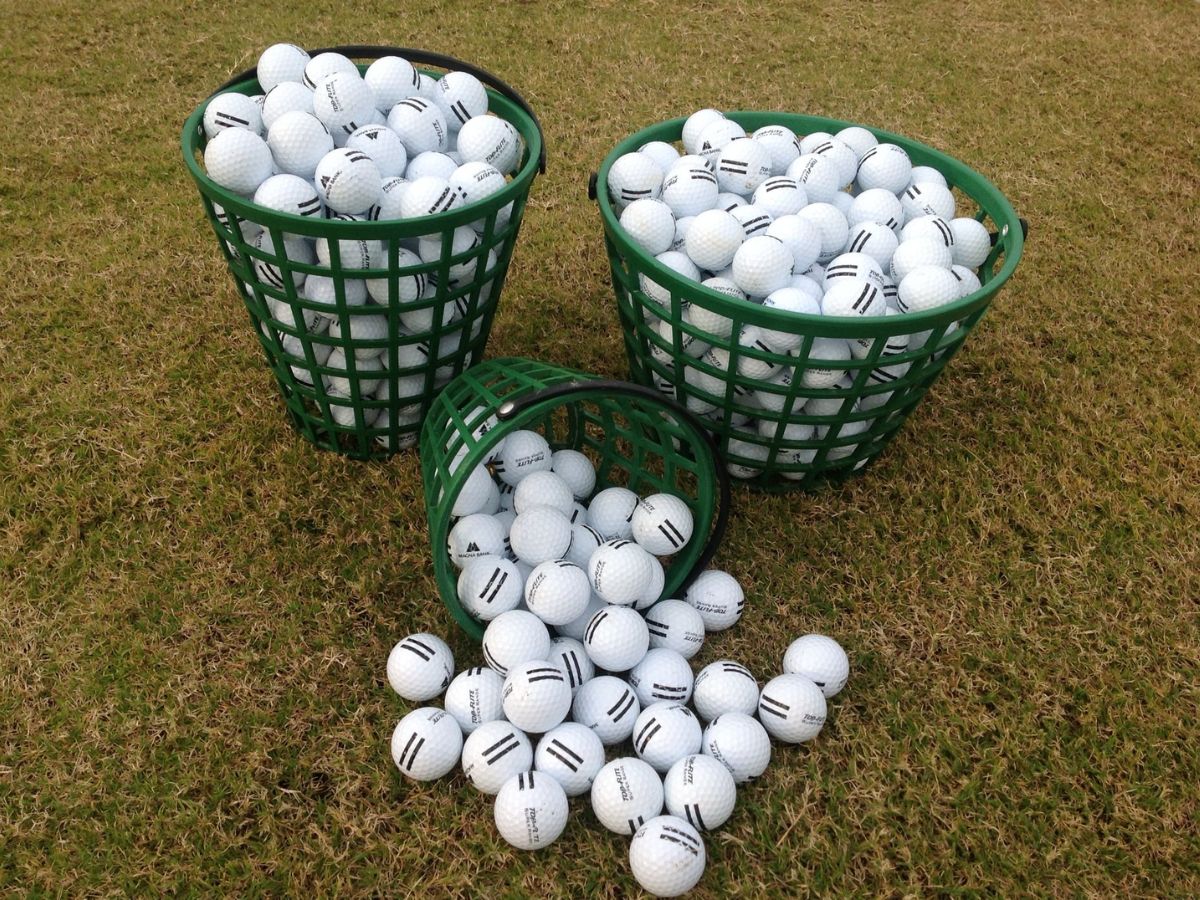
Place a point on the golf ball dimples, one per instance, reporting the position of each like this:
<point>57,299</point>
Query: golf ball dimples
<point>616,638</point>
<point>740,743</point>
<point>676,262</point>
<point>426,743</point>
<point>515,637</point>
<point>540,535</point>
<point>844,160</point>
<point>420,125</point>
<point>853,297</point>
<point>825,350</point>
<point>821,659</point>
<point>491,140</point>
<point>858,139</point>
<point>576,470</point>
<point>927,287</point>
<point>661,675</point>
<point>632,177</point>
<point>701,790</point>
<point>666,732</point>
<point>713,239</point>
<point>608,706</point>
<point>238,160</point>
<point>928,199</point>
<point>611,512</point>
<point>231,110</point>
<point>341,98</point>
<point>290,194</point>
<point>715,138</point>
<point>543,488</point>
<point>968,281</point>
<point>474,536</point>
<point>475,697</point>
<point>383,146</point>
<point>754,221</point>
<point>531,810</point>
<point>885,166</point>
<point>524,452</point>
<point>689,190</point>
<point>675,625</point>
<point>832,225</point>
<point>667,856</point>
<point>340,384</point>
<point>557,592</point>
<point>285,98</point>
<point>568,654</point>
<point>724,687</point>
<point>326,64</point>
<point>392,78</point>
<point>536,696</point>
<point>432,163</point>
<point>927,174</point>
<point>662,524</point>
<point>762,265</point>
<point>718,598</point>
<point>280,63</point>
<point>742,165</point>
<point>661,152</point>
<point>420,667</point>
<point>462,97</point>
<point>620,572</point>
<point>427,196</point>
<point>801,237</point>
<point>348,181</point>
<point>652,592</point>
<point>875,240</point>
<point>493,753</point>
<point>626,793</point>
<point>933,228</point>
<point>792,300</point>
<point>695,125</point>
<point>571,754</point>
<point>477,180</point>
<point>913,254</point>
<point>792,708</point>
<point>650,223</point>
<point>474,494</point>
<point>972,243</point>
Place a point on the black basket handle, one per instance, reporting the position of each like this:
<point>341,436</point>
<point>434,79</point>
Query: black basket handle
<point>511,408</point>
<point>367,51</point>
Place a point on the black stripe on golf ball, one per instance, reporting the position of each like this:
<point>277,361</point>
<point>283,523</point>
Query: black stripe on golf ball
<point>561,751</point>
<point>649,730</point>
<point>621,708</point>
<point>590,634</point>
<point>671,532</point>
<point>692,811</point>
<point>409,756</point>
<point>417,648</point>
<point>773,706</point>
<point>574,671</point>
<point>501,748</point>
<point>487,654</point>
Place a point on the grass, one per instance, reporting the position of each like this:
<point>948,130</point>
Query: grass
<point>197,606</point>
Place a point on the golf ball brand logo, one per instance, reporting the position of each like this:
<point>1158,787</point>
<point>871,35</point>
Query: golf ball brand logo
<point>623,784</point>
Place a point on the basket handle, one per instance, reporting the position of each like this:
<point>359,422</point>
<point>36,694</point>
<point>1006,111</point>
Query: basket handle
<point>367,51</point>
<point>511,408</point>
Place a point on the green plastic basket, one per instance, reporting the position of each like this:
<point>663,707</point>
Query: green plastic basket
<point>635,437</point>
<point>374,414</point>
<point>846,437</point>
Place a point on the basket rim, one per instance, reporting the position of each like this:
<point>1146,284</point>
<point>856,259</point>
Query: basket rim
<point>972,183</point>
<point>526,125</point>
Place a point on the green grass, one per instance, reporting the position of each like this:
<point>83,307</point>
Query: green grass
<point>197,606</point>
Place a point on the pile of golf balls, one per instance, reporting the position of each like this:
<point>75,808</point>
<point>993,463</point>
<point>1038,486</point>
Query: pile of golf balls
<point>607,707</point>
<point>834,225</point>
<point>392,143</point>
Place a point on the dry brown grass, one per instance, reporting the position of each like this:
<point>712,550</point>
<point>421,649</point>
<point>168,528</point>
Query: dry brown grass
<point>198,606</point>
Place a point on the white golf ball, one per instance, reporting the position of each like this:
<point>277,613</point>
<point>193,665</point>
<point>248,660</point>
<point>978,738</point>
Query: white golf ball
<point>611,512</point>
<point>569,655</point>
<point>821,659</point>
<point>667,856</point>
<point>927,287</point>
<point>392,78</point>
<point>695,125</point>
<point>927,174</point>
<point>914,254</point>
<point>801,237</point>
<point>661,152</point>
<point>650,223</point>
<point>341,99</point>
<point>972,243</point>
<point>576,470</point>
<point>832,225</point>
<point>844,160</point>
<point>718,598</point>
<point>474,536</point>
<point>420,667</point>
<point>792,708</point>
<point>858,139</point>
<point>420,125</point>
<point>662,674</point>
<point>676,625</point>
<point>326,64</point>
<point>792,300</point>
<point>383,146</point>
<point>762,265</point>
<point>239,160</point>
<point>854,298</point>
<point>661,524</point>
<point>492,140</point>
<point>531,810</point>
<point>608,706</point>
<point>536,696</point>
<point>290,194</point>
<point>626,793</point>
<point>933,228</point>
<point>817,175</point>
<point>633,177</point>
<point>968,281</point>
<point>689,190</point>
<point>557,592</point>
<point>431,162</point>
<point>620,572</point>
<point>493,753</point>
<point>572,755</point>
<point>475,697</point>
<point>348,181</point>
<point>725,686</point>
<point>515,637</point>
<point>231,110</point>
<point>876,240</point>
<point>616,638</point>
<point>755,222</point>
<point>524,452</point>
<point>713,239</point>
<point>539,535</point>
<point>927,199</point>
<point>475,493</point>
<point>780,196</point>
<point>426,743</point>
<point>584,541</point>
<point>828,351</point>
<point>885,166</point>
<point>782,145</point>
<point>461,96</point>
<point>664,733</point>
<point>281,63</point>
<point>716,137</point>
<point>700,790</point>
<point>742,165</point>
<point>427,196</point>
<point>286,97</point>
<point>475,181</point>
<point>543,488</point>
<point>740,743</point>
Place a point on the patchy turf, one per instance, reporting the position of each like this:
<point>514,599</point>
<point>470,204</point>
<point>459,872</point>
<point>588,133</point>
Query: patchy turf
<point>198,607</point>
